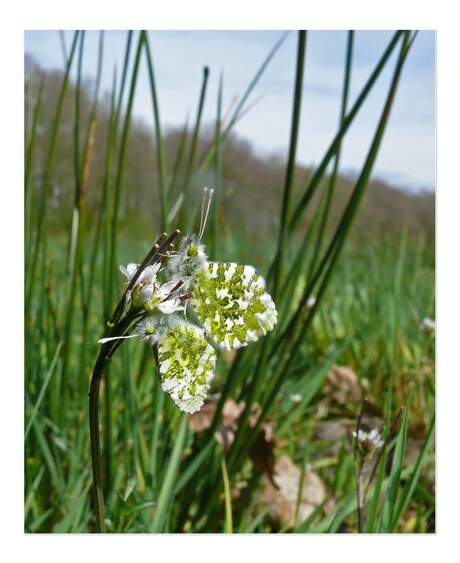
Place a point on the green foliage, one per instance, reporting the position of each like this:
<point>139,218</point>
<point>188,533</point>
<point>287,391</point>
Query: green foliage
<point>369,299</point>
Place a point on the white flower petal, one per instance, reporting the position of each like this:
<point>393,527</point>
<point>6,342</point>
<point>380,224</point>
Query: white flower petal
<point>170,306</point>
<point>129,270</point>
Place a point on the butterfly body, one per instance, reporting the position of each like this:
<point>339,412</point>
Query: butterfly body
<point>188,261</point>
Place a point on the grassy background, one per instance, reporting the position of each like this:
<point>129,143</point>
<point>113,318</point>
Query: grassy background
<point>99,189</point>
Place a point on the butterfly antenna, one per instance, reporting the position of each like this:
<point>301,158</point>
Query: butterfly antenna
<point>203,204</point>
<point>207,199</point>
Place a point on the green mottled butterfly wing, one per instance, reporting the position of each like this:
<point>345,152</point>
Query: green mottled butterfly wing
<point>187,363</point>
<point>231,303</point>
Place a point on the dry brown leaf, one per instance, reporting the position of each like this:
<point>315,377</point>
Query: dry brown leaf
<point>342,385</point>
<point>281,503</point>
<point>225,434</point>
<point>202,419</point>
<point>330,430</point>
<point>231,412</point>
<point>262,449</point>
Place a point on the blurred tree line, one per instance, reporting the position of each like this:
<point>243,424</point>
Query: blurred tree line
<point>251,184</point>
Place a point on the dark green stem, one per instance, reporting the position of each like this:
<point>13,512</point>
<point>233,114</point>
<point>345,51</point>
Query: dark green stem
<point>191,159</point>
<point>158,137</point>
<point>290,169</point>
<point>103,360</point>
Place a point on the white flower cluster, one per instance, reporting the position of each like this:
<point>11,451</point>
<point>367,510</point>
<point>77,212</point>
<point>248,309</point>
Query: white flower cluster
<point>149,293</point>
<point>428,325</point>
<point>160,300</point>
<point>296,398</point>
<point>372,439</point>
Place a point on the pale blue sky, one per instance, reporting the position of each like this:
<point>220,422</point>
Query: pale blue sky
<point>407,157</point>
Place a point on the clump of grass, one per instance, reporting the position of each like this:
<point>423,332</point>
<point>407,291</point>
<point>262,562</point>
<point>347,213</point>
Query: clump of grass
<point>365,310</point>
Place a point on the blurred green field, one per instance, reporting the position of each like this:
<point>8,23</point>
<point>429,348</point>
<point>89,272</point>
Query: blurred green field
<point>273,450</point>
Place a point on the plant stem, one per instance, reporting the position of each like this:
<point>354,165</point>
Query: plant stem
<point>184,213</point>
<point>104,358</point>
<point>158,136</point>
<point>290,169</point>
<point>360,497</point>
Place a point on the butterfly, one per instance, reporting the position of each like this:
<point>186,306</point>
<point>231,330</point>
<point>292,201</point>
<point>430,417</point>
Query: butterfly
<point>230,303</point>
<point>229,300</point>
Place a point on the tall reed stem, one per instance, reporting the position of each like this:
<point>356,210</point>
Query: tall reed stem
<point>290,169</point>
<point>103,359</point>
<point>184,214</point>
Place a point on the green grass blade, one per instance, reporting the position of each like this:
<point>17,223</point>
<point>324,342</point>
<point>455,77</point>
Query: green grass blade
<point>371,524</point>
<point>107,273</point>
<point>41,395</point>
<point>239,109</point>
<point>389,506</point>
<point>158,137</point>
<point>185,214</point>
<point>333,177</point>
<point>228,528</point>
<point>341,133</point>
<point>306,524</point>
<point>32,490</point>
<point>290,168</point>
<point>178,161</point>
<point>43,209</point>
<point>158,402</point>
<point>122,165</point>
<point>167,488</point>
<point>193,467</point>
<point>408,491</point>
<point>29,169</point>
<point>332,150</point>
<point>217,172</point>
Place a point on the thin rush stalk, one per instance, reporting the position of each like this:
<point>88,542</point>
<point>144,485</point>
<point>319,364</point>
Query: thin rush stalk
<point>81,204</point>
<point>158,136</point>
<point>290,354</point>
<point>192,155</point>
<point>105,356</point>
<point>314,182</point>
<point>43,210</point>
<point>118,327</point>
<point>106,200</point>
<point>178,160</point>
<point>289,180</point>
<point>290,169</point>
<point>333,178</point>
<point>217,170</point>
<point>122,164</point>
<point>240,105</point>
<point>29,169</point>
